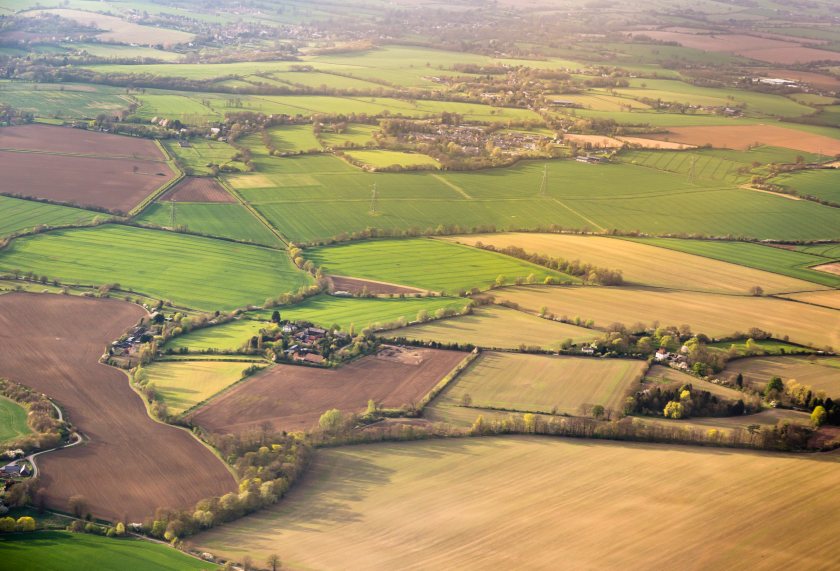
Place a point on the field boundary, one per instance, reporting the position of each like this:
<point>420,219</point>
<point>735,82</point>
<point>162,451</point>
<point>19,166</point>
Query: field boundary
<point>254,212</point>
<point>137,210</point>
<point>453,186</point>
<point>448,379</point>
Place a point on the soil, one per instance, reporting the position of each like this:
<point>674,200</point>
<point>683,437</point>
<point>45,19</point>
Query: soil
<point>356,285</point>
<point>741,137</point>
<point>129,464</point>
<point>195,189</point>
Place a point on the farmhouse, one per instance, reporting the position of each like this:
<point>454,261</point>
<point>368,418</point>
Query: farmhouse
<point>592,159</point>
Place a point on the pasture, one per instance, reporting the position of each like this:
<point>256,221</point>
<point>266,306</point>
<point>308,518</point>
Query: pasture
<point>667,378</point>
<point>69,101</point>
<point>122,441</point>
<point>184,384</point>
<point>13,423</point>
<point>202,156</point>
<point>349,512</point>
<point>293,397</point>
<point>822,184</point>
<point>428,264</point>
<point>539,383</point>
<point>230,336</point>
<point>191,271</point>
<point>294,139</point>
<point>644,264</point>
<point>232,221</point>
<point>21,215</point>
<point>760,346</point>
<point>79,552</point>
<point>497,327</point>
<point>821,373</point>
<point>379,159</point>
<point>121,31</point>
<point>713,314</point>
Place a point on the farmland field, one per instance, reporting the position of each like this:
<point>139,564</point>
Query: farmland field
<point>823,184</point>
<point>200,153</point>
<point>662,377</point>
<point>20,215</point>
<point>184,384</point>
<point>643,264</point>
<point>12,420</point>
<point>66,100</point>
<point>194,189</point>
<point>80,168</point>
<point>185,269</point>
<point>52,343</point>
<point>291,397</point>
<point>777,260</point>
<point>827,298</point>
<point>713,314</point>
<point>383,159</point>
<point>348,511</point>
<point>823,374</point>
<point>497,327</point>
<point>294,139</point>
<point>230,336</point>
<point>119,30</point>
<point>743,136</point>
<point>538,383</point>
<point>427,264</point>
<point>79,551</point>
<point>223,220</point>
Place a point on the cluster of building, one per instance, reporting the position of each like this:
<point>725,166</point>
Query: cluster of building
<point>306,344</point>
<point>473,139</point>
<point>675,360</point>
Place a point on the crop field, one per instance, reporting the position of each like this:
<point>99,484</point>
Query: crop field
<point>429,264</point>
<point>354,135</point>
<point>603,102</point>
<point>69,101</point>
<point>694,164</point>
<point>367,287</point>
<point>194,189</point>
<point>52,343</point>
<point>830,250</point>
<point>20,215</point>
<point>821,373</point>
<point>81,168</point>
<point>317,197</point>
<point>292,397</point>
<point>497,327</point>
<point>713,314</point>
<point>223,220</point>
<point>777,260</point>
<point>768,346</point>
<point>347,513</point>
<point>383,159</point>
<point>12,420</point>
<point>644,264</point>
<point>189,270</point>
<point>79,551</point>
<point>823,184</point>
<point>827,298</point>
<point>744,136</point>
<point>644,143</point>
<point>538,383</point>
<point>119,30</point>
<point>184,384</point>
<point>201,153</point>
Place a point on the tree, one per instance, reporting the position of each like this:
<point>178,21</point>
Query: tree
<point>7,525</point>
<point>500,280</point>
<point>674,410</point>
<point>757,291</point>
<point>78,505</point>
<point>247,563</point>
<point>739,380</point>
<point>273,562</point>
<point>275,316</point>
<point>120,530</point>
<point>371,408</point>
<point>530,421</point>
<point>819,416</point>
<point>331,421</point>
<point>25,523</point>
<point>774,387</point>
<point>597,411</point>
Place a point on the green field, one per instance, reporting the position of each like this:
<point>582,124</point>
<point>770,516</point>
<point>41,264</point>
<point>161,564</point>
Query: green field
<point>823,184</point>
<point>497,327</point>
<point>538,383</point>
<point>354,135</point>
<point>314,198</point>
<point>18,215</point>
<point>13,423</point>
<point>383,159</point>
<point>213,219</point>
<point>424,263</point>
<point>230,336</point>
<point>778,260</point>
<point>294,139</point>
<point>184,384</point>
<point>768,346</point>
<point>69,101</point>
<point>67,551</point>
<point>830,251</point>
<point>201,153</point>
<point>189,270</point>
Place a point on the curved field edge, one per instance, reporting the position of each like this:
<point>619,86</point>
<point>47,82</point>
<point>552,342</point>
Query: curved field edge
<point>350,510</point>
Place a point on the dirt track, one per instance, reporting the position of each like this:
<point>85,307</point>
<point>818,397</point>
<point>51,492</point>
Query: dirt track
<point>293,397</point>
<point>130,464</point>
<point>357,285</point>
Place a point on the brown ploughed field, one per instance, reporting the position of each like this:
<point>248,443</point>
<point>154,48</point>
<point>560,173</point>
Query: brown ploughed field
<point>64,140</point>
<point>293,397</point>
<point>196,189</point>
<point>740,137</point>
<point>81,168</point>
<point>129,464</point>
<point>356,285</point>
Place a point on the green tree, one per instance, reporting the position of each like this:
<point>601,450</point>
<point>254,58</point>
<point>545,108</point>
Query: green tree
<point>371,408</point>
<point>500,280</point>
<point>120,530</point>
<point>598,411</point>
<point>7,525</point>
<point>674,410</point>
<point>331,420</point>
<point>530,421</point>
<point>818,416</point>
<point>25,523</point>
<point>774,387</point>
